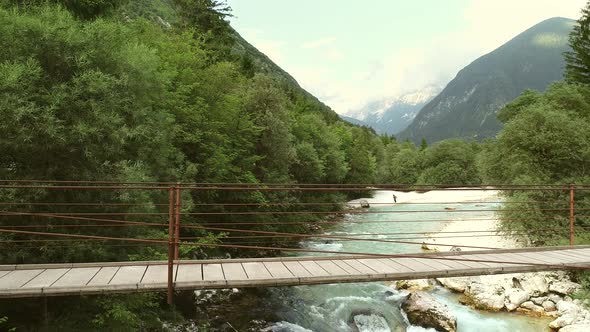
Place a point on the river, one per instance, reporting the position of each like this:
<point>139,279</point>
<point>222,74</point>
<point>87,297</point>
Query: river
<point>365,307</point>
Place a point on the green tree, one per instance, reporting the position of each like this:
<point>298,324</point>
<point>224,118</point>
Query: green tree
<point>423,144</point>
<point>578,60</point>
<point>545,140</point>
<point>449,162</point>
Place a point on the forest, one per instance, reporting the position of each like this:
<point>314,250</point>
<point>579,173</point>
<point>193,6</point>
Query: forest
<point>166,91</point>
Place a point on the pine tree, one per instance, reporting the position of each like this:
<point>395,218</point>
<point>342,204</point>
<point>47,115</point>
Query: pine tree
<point>578,60</point>
<point>423,144</point>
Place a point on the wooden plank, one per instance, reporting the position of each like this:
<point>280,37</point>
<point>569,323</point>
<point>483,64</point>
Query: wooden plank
<point>17,278</point>
<point>469,261</point>
<point>256,270</point>
<point>213,272</point>
<point>399,268</point>
<point>362,268</point>
<point>540,258</point>
<point>332,268</point>
<point>314,269</point>
<point>189,273</point>
<point>484,259</point>
<point>455,264</point>
<point>128,275</point>
<point>582,258</point>
<point>436,264</point>
<point>346,267</point>
<point>526,259</point>
<point>155,274</point>
<point>234,271</point>
<point>474,261</point>
<point>104,276</point>
<point>297,269</point>
<point>414,264</point>
<point>565,256</point>
<point>76,277</point>
<point>278,270</point>
<point>377,266</point>
<point>561,254</point>
<point>46,278</point>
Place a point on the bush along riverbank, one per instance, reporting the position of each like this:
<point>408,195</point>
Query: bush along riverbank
<point>540,294</point>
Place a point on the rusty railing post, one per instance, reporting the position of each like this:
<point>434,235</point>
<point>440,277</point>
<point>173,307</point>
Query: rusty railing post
<point>177,222</point>
<point>170,245</point>
<point>572,215</point>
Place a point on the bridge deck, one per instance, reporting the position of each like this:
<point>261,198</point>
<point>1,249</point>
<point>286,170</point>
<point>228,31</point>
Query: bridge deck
<point>125,277</point>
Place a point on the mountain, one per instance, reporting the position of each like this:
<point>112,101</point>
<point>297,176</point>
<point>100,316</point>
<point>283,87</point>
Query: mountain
<point>354,121</point>
<point>467,106</point>
<point>392,115</point>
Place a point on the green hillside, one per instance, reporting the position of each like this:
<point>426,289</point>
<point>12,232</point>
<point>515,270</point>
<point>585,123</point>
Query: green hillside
<point>467,107</point>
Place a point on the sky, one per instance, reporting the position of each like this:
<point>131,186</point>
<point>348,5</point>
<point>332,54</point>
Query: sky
<point>350,52</point>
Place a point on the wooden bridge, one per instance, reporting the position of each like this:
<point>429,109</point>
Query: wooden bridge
<point>127,277</point>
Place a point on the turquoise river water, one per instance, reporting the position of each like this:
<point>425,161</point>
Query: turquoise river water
<point>370,307</point>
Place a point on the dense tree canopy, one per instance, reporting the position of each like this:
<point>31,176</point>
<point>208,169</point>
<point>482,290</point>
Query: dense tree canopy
<point>578,59</point>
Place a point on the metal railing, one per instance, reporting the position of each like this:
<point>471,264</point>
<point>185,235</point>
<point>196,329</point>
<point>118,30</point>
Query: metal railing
<point>254,217</point>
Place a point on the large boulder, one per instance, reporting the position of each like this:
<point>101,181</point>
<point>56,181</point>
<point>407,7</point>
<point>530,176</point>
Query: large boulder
<point>568,314</point>
<point>549,306</point>
<point>515,297</point>
<point>485,296</point>
<point>458,284</point>
<point>529,305</point>
<point>424,310</point>
<point>564,307</point>
<point>563,287</point>
<point>417,284</point>
<point>534,284</point>
<point>576,328</point>
<point>562,321</point>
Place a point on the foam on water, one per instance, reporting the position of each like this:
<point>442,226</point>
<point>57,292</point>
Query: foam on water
<point>286,327</point>
<point>371,323</point>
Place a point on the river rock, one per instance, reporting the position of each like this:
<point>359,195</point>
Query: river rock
<point>418,284</point>
<point>367,322</point>
<point>485,296</point>
<point>535,284</point>
<point>532,307</point>
<point>458,284</point>
<point>562,321</point>
<point>514,298</point>
<point>539,300</point>
<point>424,310</point>
<point>563,287</point>
<point>554,297</point>
<point>568,314</point>
<point>549,306</point>
<point>576,328</point>
<point>564,307</point>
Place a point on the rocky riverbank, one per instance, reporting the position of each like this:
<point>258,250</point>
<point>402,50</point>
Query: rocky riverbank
<point>535,294</point>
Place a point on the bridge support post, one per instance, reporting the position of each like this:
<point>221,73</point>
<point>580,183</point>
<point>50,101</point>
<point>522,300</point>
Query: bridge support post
<point>171,246</point>
<point>572,213</point>
<point>45,315</point>
<point>177,222</point>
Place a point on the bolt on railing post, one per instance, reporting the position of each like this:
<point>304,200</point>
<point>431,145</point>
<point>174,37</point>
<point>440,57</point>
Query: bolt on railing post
<point>572,215</point>
<point>170,245</point>
<point>177,222</point>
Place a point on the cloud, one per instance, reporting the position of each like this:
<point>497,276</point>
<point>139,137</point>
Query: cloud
<point>489,24</point>
<point>318,43</point>
<point>347,82</point>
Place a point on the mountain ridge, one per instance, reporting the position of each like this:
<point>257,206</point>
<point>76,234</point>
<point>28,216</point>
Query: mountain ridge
<point>467,106</point>
<point>392,115</point>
